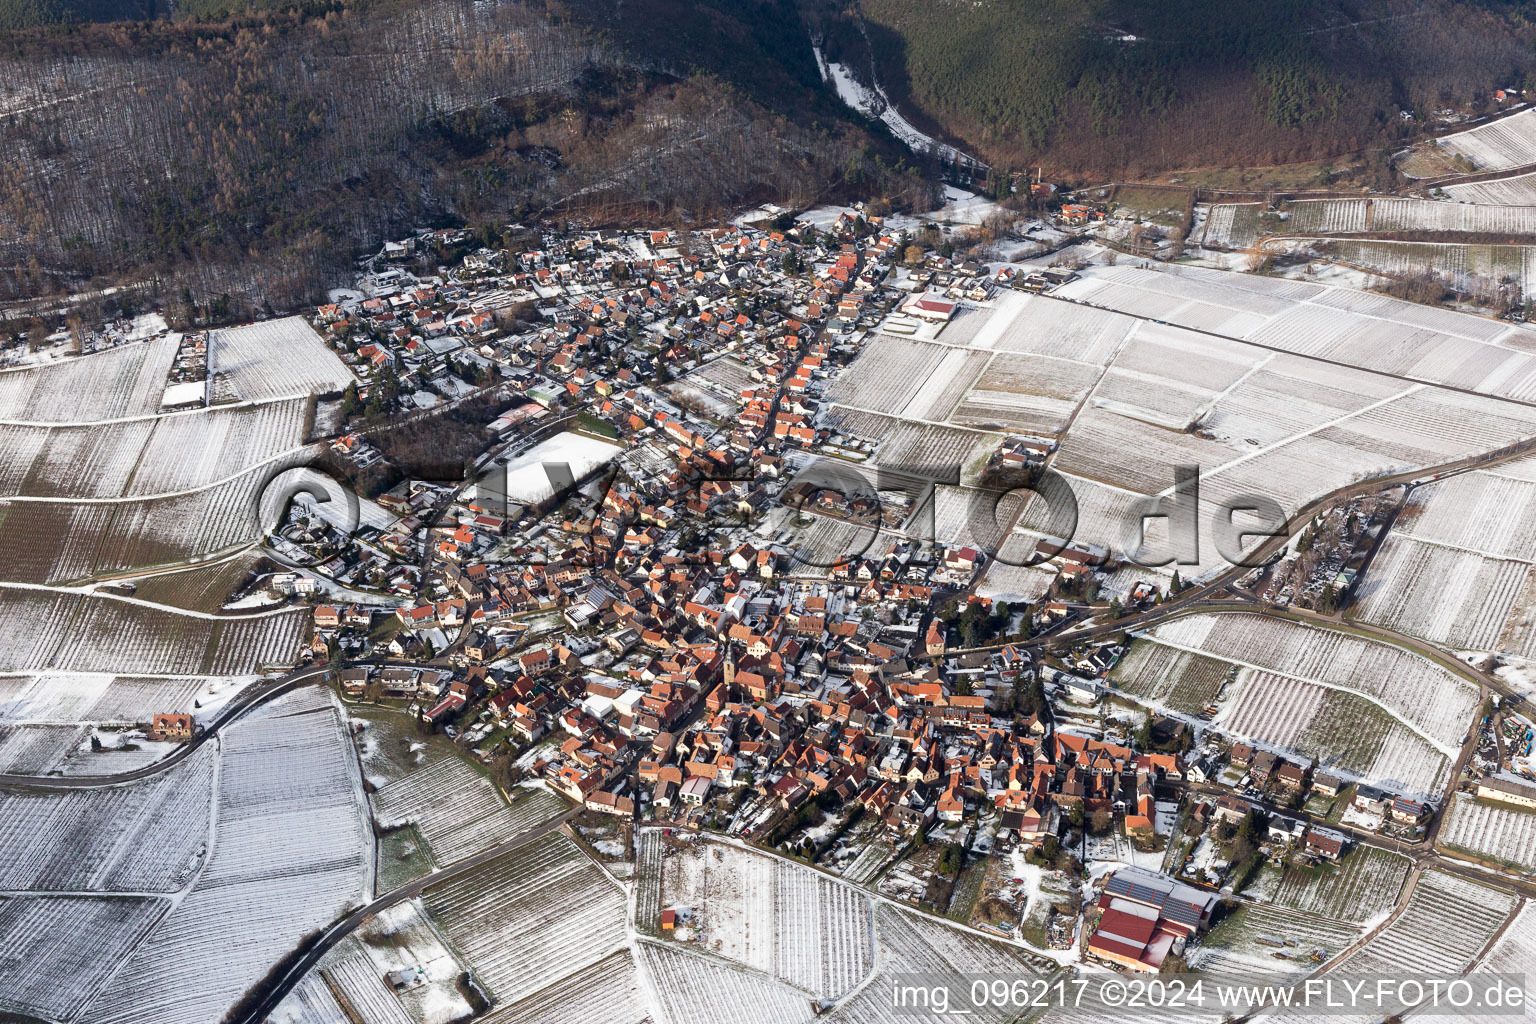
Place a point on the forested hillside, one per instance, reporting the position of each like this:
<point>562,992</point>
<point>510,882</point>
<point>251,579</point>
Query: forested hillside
<point>258,157</point>
<point>1110,86</point>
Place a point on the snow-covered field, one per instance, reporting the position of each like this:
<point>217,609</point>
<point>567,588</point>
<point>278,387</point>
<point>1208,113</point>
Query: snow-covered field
<point>1491,830</point>
<point>458,811</point>
<point>1500,145</point>
<point>529,919</point>
<point>1459,567</point>
<point>273,359</point>
<point>1366,708</point>
<point>95,839</point>
<point>290,850</point>
<point>1447,922</point>
<point>124,381</point>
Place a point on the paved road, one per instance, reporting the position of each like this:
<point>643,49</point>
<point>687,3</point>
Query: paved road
<point>344,926</point>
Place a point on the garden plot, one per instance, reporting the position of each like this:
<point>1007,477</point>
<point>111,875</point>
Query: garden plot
<point>1503,144</point>
<point>124,381</point>
<point>1032,393</point>
<point>1362,886</point>
<point>401,937</point>
<point>728,374</point>
<point>887,373</point>
<point>1180,681</point>
<point>530,918</point>
<point>62,948</point>
<point>1516,190</point>
<point>458,811</point>
<point>274,359</point>
<point>1447,922</point>
<point>1491,831</point>
<point>1433,699</point>
<point>693,989</point>
<point>1271,941</point>
<point>359,986</point>
<point>291,851</point>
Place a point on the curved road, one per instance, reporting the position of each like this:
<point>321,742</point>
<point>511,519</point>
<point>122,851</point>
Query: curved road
<point>254,697</point>
<point>339,929</point>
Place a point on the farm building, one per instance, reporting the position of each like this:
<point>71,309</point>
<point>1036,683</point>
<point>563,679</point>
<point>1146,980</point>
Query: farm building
<point>1507,791</point>
<point>1144,915</point>
<point>930,307</point>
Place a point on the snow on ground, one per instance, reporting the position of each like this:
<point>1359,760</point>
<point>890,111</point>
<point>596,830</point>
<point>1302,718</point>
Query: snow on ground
<point>531,477</point>
<point>874,103</point>
<point>273,359</point>
<point>290,851</point>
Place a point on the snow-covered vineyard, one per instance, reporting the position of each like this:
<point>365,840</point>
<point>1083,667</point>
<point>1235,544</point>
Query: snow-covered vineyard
<point>88,633</point>
<point>1367,709</point>
<point>1491,831</point>
<point>459,812</point>
<point>1459,567</point>
<point>264,826</point>
<point>288,851</point>
<point>1500,145</point>
<point>272,359</point>
<point>532,918</point>
<point>1446,924</point>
